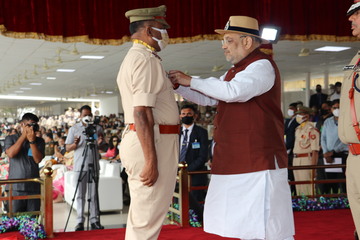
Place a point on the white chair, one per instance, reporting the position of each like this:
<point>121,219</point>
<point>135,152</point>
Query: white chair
<point>110,187</point>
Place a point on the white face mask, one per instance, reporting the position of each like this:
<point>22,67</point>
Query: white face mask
<point>336,112</point>
<point>290,112</point>
<point>165,38</point>
<point>300,119</point>
<point>86,119</point>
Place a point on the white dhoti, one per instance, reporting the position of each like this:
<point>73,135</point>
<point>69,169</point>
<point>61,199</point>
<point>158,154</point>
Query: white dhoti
<point>250,206</point>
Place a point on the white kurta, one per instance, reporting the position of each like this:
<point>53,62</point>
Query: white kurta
<point>252,205</point>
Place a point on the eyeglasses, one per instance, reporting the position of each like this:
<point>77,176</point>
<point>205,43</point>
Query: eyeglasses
<point>228,41</point>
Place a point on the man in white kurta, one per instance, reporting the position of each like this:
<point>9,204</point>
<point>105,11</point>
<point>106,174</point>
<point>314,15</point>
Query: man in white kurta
<point>253,201</point>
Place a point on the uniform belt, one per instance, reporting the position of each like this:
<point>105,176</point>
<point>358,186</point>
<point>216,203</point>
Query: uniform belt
<point>302,155</point>
<point>164,129</point>
<point>354,148</point>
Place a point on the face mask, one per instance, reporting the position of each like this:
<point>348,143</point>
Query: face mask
<point>86,119</point>
<point>290,112</point>
<point>300,119</point>
<point>187,120</point>
<point>336,112</point>
<point>165,38</point>
<point>318,90</point>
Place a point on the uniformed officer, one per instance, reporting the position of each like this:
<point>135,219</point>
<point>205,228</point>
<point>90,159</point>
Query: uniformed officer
<point>306,150</point>
<point>349,132</point>
<point>150,143</point>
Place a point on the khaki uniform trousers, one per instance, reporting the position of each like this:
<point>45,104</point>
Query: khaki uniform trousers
<point>303,175</point>
<point>149,205</point>
<point>353,187</point>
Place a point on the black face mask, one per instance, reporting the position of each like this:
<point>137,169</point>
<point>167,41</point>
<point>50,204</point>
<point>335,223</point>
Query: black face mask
<point>187,120</point>
<point>318,90</point>
<point>324,111</point>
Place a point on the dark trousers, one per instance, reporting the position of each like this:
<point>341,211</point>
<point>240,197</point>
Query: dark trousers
<point>291,172</point>
<point>28,205</point>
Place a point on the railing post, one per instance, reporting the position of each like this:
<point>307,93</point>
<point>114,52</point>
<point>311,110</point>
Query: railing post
<point>48,203</point>
<point>184,193</point>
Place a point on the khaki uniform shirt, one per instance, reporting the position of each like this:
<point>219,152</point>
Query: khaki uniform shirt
<point>143,82</point>
<point>307,139</point>
<point>346,130</point>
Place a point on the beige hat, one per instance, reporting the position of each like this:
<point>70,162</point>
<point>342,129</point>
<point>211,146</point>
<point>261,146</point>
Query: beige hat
<point>242,24</point>
<point>140,14</point>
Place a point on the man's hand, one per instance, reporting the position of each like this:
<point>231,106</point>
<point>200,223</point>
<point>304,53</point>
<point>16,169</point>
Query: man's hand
<point>178,77</point>
<point>149,174</point>
<point>30,134</point>
<point>76,140</point>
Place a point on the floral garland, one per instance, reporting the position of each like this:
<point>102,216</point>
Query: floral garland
<point>29,227</point>
<point>322,203</point>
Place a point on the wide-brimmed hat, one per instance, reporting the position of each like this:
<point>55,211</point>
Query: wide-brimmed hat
<point>353,8</point>
<point>244,25</point>
<point>141,14</point>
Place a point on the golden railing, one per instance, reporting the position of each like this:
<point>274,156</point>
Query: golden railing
<point>46,207</point>
<point>184,188</point>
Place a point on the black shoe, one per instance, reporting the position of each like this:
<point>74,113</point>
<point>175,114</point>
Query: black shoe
<point>79,227</point>
<point>96,225</point>
<point>356,235</point>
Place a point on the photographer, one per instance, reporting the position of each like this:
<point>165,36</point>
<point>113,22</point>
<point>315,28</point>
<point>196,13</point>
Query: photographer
<point>80,135</point>
<point>25,151</point>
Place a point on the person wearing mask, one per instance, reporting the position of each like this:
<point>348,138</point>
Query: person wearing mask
<point>290,127</point>
<point>318,98</point>
<point>193,148</point>
<point>113,151</point>
<point>249,150</point>
<point>337,91</point>
<point>77,140</point>
<point>306,150</point>
<point>149,146</point>
<point>325,113</point>
<point>332,147</point>
<point>25,152</point>
<point>348,122</point>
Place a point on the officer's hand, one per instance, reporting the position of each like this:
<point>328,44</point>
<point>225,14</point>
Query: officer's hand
<point>178,77</point>
<point>149,174</point>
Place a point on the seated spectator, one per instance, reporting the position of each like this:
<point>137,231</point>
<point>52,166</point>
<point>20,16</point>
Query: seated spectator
<point>60,149</point>
<point>49,144</point>
<point>113,151</point>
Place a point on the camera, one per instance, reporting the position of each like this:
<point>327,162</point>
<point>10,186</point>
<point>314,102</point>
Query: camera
<point>90,131</point>
<point>34,126</point>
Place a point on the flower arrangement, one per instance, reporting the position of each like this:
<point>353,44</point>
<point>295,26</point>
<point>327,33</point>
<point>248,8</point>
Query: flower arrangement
<point>29,227</point>
<point>193,218</point>
<point>322,203</point>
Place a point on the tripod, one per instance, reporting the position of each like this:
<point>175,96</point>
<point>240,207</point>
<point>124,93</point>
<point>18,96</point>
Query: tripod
<point>92,174</point>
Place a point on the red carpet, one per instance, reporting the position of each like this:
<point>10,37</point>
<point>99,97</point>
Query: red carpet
<point>317,225</point>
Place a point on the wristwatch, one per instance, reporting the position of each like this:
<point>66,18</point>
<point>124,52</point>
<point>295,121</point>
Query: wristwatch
<point>32,142</point>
